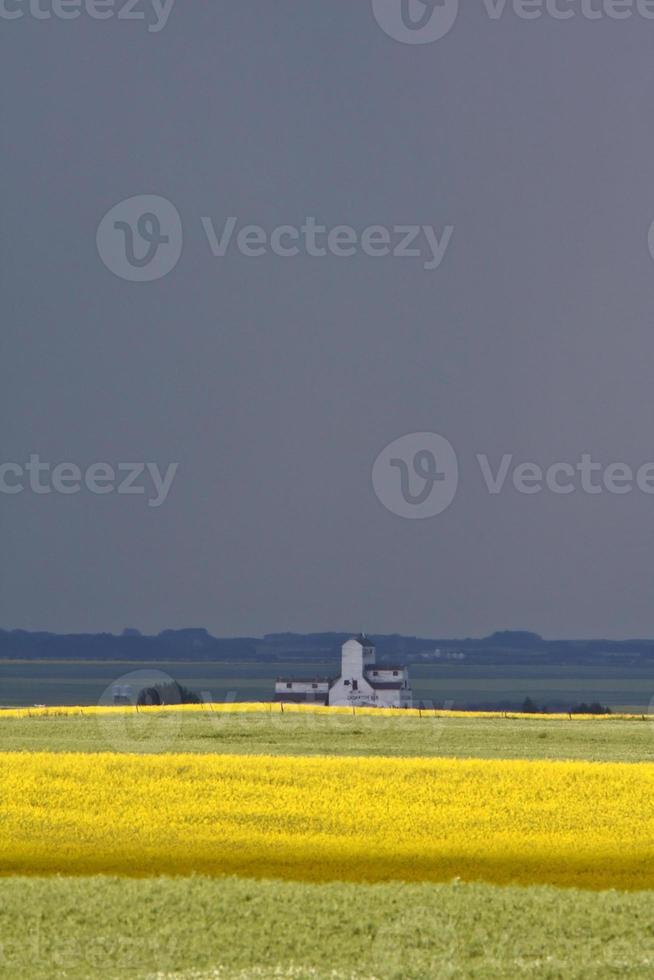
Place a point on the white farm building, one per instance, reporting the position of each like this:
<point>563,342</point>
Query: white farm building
<point>362,681</point>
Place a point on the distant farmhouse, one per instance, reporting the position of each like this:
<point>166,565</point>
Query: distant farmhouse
<point>362,681</point>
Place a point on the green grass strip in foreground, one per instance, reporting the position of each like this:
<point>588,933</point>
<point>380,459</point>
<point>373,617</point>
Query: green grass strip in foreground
<point>237,930</point>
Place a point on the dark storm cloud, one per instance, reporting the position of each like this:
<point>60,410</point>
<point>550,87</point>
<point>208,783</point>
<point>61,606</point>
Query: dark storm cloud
<point>276,381</point>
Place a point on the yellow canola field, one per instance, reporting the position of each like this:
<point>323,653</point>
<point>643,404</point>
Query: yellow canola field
<point>267,707</point>
<point>325,818</point>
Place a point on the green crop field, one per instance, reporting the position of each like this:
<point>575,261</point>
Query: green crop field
<point>607,739</point>
<point>199,927</point>
<point>232,928</point>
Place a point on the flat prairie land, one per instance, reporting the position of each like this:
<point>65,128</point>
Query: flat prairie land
<point>236,845</point>
<point>236,929</point>
<point>606,739</point>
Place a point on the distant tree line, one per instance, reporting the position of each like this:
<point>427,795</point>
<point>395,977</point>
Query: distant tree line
<point>161,694</point>
<point>529,707</point>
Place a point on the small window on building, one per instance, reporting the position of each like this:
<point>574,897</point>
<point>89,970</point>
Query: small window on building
<point>375,673</point>
<point>355,685</point>
<point>289,685</point>
<point>314,685</point>
<point>347,683</point>
<point>395,673</point>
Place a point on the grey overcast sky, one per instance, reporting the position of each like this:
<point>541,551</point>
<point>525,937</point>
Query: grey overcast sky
<point>275,382</point>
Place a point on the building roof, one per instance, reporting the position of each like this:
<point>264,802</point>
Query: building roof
<point>304,680</point>
<point>363,640</point>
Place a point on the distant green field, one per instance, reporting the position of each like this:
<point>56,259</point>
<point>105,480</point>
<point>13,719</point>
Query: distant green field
<point>608,739</point>
<point>83,682</point>
<point>622,687</point>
